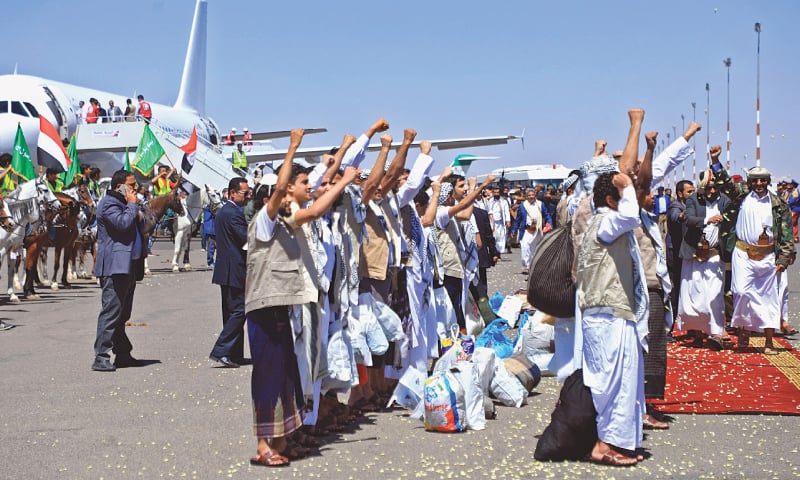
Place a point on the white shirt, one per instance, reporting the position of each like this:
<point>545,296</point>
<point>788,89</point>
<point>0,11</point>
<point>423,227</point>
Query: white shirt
<point>356,153</point>
<point>416,178</point>
<point>754,215</point>
<point>622,220</point>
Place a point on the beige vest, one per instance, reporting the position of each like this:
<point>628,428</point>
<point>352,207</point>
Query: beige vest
<point>276,274</point>
<point>374,258</point>
<point>649,259</point>
<point>448,246</point>
<point>605,274</point>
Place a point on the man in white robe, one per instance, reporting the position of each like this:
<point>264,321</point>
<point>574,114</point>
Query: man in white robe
<point>501,215</point>
<point>613,303</point>
<point>759,240</point>
<point>701,305</point>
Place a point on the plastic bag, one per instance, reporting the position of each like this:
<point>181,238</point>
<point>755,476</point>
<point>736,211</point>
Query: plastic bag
<point>506,388</point>
<point>510,308</point>
<point>496,301</point>
<point>474,320</point>
<point>484,359</point>
<point>493,337</point>
<point>445,315</point>
<point>467,375</point>
<point>535,341</point>
<point>444,403</point>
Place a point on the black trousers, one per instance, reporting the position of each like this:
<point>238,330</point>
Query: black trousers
<point>230,342</point>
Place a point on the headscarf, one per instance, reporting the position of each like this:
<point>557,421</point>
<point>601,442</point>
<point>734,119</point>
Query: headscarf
<point>447,189</point>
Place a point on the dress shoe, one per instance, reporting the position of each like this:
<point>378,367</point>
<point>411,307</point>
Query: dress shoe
<point>103,364</point>
<point>123,361</point>
<point>225,361</point>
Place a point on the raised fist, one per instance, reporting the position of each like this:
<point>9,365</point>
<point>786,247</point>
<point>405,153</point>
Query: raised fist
<point>425,147</point>
<point>408,135</point>
<point>386,140</point>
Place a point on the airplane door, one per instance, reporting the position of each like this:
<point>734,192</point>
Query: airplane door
<point>58,113</point>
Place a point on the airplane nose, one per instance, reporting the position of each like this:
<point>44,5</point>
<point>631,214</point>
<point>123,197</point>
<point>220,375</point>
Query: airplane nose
<point>8,134</point>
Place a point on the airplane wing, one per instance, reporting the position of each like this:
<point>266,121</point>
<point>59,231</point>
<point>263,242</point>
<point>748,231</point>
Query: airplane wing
<point>446,144</point>
<point>282,134</point>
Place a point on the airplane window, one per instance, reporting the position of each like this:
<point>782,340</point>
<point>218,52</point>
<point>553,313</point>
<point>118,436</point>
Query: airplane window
<point>4,106</point>
<point>16,107</point>
<point>32,109</point>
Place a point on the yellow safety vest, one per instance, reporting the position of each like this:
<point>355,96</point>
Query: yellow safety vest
<point>239,159</point>
<point>8,184</point>
<point>161,187</point>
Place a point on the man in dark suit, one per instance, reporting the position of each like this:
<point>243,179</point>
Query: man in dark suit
<point>488,256</point>
<point>229,273</point>
<point>119,264</point>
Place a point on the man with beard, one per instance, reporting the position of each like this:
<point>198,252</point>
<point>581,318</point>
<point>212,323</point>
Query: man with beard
<point>757,237</point>
<point>499,210</point>
<point>533,221</point>
<point>701,308</point>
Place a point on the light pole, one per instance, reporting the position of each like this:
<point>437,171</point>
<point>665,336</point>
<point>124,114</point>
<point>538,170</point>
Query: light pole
<point>758,95</point>
<point>727,63</point>
<point>708,122</point>
<point>683,129</point>
<point>694,144</point>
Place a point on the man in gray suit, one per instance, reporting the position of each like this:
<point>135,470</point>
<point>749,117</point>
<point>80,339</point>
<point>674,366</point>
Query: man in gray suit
<point>119,264</point>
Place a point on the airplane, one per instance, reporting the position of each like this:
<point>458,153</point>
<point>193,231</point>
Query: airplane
<point>23,98</point>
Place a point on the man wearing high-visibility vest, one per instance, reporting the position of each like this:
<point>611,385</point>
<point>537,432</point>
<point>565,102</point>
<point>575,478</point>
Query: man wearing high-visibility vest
<point>145,113</point>
<point>162,185</point>
<point>7,184</point>
<point>239,158</point>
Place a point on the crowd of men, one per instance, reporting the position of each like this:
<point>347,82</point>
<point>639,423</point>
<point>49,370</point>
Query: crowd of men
<point>348,278</point>
<point>93,111</point>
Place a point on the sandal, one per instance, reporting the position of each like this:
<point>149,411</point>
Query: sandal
<point>270,459</point>
<point>770,351</point>
<point>615,459</point>
<point>787,329</point>
<point>715,343</point>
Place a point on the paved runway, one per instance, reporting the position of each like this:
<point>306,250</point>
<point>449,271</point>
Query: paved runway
<point>180,417</point>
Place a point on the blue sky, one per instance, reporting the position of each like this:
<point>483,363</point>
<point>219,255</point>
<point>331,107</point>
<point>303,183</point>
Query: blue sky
<point>565,71</point>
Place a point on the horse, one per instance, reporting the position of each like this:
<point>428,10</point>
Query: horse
<point>61,234</point>
<point>182,227</point>
<point>28,205</point>
<point>87,235</point>
<point>154,210</point>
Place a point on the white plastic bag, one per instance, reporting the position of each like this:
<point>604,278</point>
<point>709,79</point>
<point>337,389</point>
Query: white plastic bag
<point>535,339</point>
<point>467,374</point>
<point>445,315</point>
<point>474,320</point>
<point>506,388</point>
<point>510,308</point>
<point>484,360</point>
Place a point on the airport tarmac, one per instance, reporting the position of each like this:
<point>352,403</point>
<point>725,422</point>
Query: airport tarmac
<point>181,417</point>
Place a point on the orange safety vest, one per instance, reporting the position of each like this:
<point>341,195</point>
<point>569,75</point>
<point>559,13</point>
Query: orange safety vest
<point>144,110</point>
<point>91,114</point>
<point>248,138</point>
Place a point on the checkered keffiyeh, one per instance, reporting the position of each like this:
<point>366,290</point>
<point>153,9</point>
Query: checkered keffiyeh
<point>447,189</point>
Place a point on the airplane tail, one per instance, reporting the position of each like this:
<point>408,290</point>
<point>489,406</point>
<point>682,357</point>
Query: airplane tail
<point>192,94</point>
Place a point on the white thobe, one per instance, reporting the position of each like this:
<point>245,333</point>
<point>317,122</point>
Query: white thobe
<point>612,357</point>
<point>701,305</point>
<point>756,299</point>
<point>498,207</point>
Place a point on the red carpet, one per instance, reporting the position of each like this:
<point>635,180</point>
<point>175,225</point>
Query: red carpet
<point>700,380</point>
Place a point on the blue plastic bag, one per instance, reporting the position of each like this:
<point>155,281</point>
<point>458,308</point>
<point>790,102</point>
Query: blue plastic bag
<point>496,302</point>
<point>523,319</point>
<point>493,337</point>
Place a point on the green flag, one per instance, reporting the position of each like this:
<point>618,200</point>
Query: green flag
<point>127,166</point>
<point>66,178</point>
<point>149,152</point>
<point>21,163</point>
